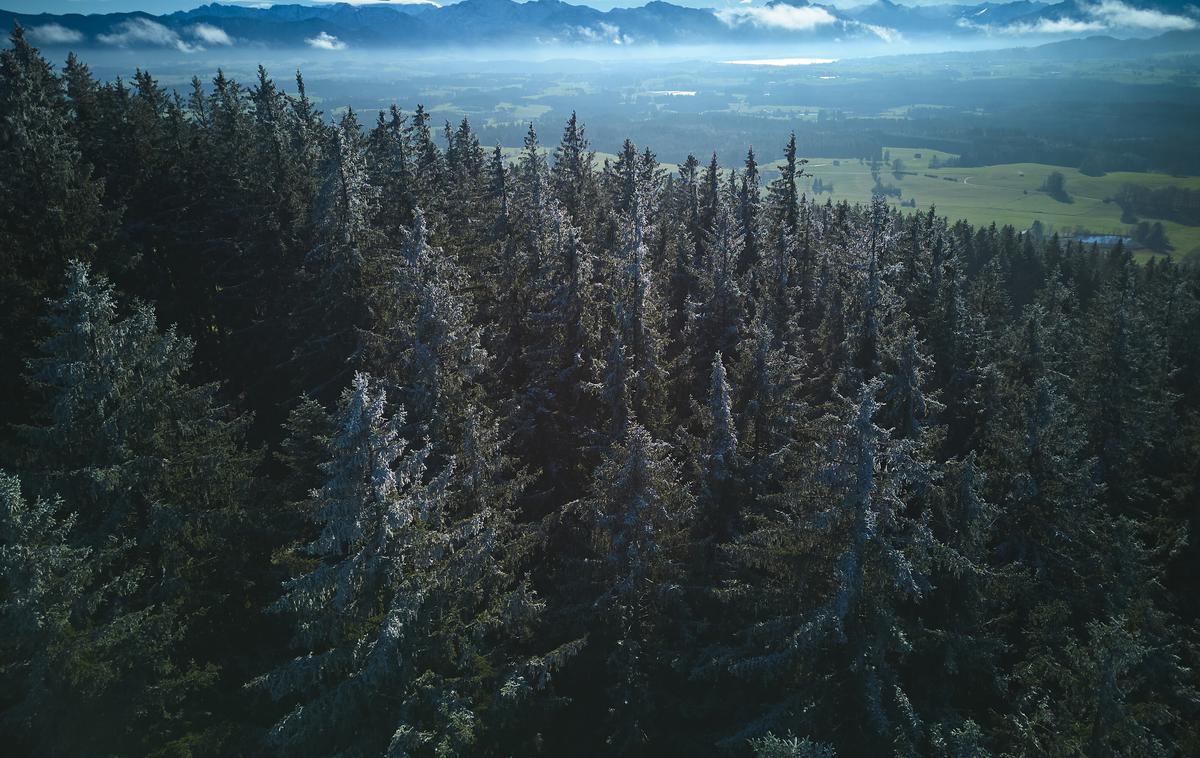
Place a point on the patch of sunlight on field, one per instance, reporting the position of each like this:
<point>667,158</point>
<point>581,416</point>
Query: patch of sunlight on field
<point>1004,194</point>
<point>519,111</point>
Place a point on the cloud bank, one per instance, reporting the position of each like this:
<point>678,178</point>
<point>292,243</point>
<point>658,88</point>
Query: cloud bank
<point>1119,14</point>
<point>326,41</point>
<point>146,32</point>
<point>608,33</point>
<point>53,34</point>
<point>781,16</point>
<point>211,35</point>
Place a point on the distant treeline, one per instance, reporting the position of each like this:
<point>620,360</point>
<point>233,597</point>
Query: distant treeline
<point>1092,156</point>
<point>1176,204</point>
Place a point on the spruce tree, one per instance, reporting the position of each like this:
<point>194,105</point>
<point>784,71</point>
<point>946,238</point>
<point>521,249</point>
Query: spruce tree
<point>749,212</point>
<point>847,536</point>
<point>718,499</point>
<point>49,638</point>
<point>718,321</point>
<point>326,321</point>
<point>572,174</point>
<point>638,515</point>
<point>157,471</point>
<point>408,590</point>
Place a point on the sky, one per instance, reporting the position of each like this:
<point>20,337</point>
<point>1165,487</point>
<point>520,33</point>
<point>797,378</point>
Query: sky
<point>168,6</point>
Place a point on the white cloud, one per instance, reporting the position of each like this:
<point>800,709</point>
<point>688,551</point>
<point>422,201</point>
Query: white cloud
<point>326,41</point>
<point>145,31</point>
<point>885,33</point>
<point>209,34</point>
<point>602,32</point>
<point>1116,13</point>
<point>779,16</point>
<point>53,34</point>
<point>1054,26</point>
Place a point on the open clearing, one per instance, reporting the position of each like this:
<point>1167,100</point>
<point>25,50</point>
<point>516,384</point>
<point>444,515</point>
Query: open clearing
<point>1005,194</point>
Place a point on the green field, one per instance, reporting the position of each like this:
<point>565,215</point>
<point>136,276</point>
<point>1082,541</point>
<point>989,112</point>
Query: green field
<point>1005,194</point>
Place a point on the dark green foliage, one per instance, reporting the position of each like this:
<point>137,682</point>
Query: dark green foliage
<point>1172,203</point>
<point>1056,187</point>
<point>158,477</point>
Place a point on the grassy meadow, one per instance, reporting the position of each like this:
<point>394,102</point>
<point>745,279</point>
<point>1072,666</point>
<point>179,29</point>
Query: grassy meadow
<point>1005,194</point>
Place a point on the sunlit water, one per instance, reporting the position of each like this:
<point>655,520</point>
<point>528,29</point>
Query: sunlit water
<point>782,61</point>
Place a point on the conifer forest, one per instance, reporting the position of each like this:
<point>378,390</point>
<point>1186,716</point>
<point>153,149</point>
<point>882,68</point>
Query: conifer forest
<point>323,436</point>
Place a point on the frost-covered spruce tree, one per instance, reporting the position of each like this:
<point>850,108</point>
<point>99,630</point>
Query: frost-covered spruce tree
<point>540,224</point>
<point>424,339</point>
<point>638,515</point>
<point>1040,474</point>
<point>722,440</point>
<point>955,670</point>
<point>613,387</point>
<point>465,164</point>
<point>308,430</point>
<point>953,343</point>
<point>829,352</point>
<point>347,205</point>
<point>721,464</point>
<point>908,407</point>
<point>158,475</point>
<point>879,559</point>
<point>749,211</point>
<point>638,316</point>
<point>872,301</point>
<point>845,536</point>
<point>390,161</point>
<point>552,413</point>
<point>710,195</point>
<point>774,278</point>
<point>783,196</point>
<point>523,270</point>
<point>684,204</point>
<point>47,635</point>
<point>772,422</point>
<point>1085,612</point>
<point>572,175</point>
<point>771,746</point>
<point>571,307</point>
<point>377,516</point>
<point>411,594</point>
<point>718,323</point>
<point>778,273</point>
<point>337,268</point>
<point>428,162</point>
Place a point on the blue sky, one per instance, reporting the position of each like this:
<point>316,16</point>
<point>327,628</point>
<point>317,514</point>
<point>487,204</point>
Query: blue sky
<point>167,6</point>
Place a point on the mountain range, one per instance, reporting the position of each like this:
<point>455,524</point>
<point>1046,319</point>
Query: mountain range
<point>549,22</point>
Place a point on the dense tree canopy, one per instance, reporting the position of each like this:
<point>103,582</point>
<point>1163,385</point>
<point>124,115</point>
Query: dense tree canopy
<point>330,439</point>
